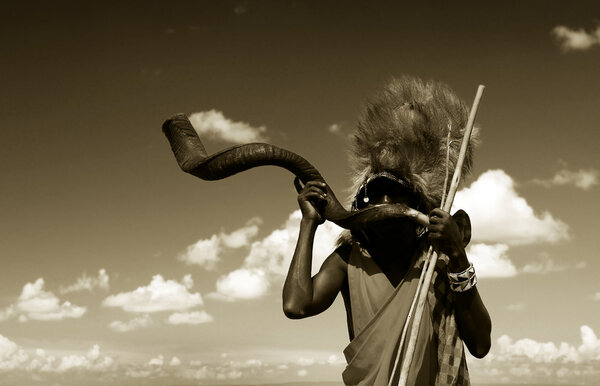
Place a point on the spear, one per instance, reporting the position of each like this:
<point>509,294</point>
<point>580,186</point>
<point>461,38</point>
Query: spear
<point>431,259</point>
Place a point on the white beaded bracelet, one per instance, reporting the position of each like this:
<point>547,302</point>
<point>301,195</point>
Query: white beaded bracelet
<point>464,285</point>
<point>463,281</point>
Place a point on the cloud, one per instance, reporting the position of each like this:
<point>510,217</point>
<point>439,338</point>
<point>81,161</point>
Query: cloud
<point>15,357</point>
<point>583,179</point>
<point>241,237</point>
<point>205,252</point>
<point>242,283</point>
<point>335,360</point>
<point>214,124</point>
<point>499,215</point>
<point>195,317</point>
<point>11,355</point>
<point>549,352</point>
<point>158,361</point>
<point>7,313</point>
<point>141,321</point>
<point>268,260</point>
<point>543,266</point>
<point>575,39</point>
<point>305,361</point>
<point>159,295</point>
<point>527,361</point>
<point>491,260</point>
<point>88,283</point>
<point>91,361</point>
<point>597,296</point>
<point>37,304</point>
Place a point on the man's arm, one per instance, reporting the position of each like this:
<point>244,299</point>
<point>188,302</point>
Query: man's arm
<point>472,318</point>
<point>304,296</point>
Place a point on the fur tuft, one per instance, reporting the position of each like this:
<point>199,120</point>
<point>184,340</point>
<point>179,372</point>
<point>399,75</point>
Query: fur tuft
<point>404,130</point>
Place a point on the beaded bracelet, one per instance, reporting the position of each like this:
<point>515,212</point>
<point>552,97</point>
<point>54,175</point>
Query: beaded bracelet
<point>463,281</point>
<point>463,285</point>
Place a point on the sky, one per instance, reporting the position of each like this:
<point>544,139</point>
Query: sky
<point>118,268</point>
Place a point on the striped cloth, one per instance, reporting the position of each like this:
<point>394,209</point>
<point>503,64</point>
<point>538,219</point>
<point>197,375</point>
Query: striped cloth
<point>451,354</point>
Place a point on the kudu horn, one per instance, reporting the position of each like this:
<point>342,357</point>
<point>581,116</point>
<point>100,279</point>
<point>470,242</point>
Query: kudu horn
<point>192,158</point>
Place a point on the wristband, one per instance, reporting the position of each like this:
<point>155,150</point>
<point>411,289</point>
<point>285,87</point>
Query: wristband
<point>463,281</point>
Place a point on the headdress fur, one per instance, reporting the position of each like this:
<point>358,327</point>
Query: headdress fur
<point>404,130</point>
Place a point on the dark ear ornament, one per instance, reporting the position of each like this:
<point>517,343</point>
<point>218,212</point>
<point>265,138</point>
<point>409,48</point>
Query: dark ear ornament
<point>464,225</point>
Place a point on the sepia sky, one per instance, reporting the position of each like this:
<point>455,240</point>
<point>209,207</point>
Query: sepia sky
<point>118,268</point>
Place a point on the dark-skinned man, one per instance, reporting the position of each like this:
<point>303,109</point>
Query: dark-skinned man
<point>398,156</point>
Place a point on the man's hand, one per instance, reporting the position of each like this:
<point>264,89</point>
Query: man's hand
<point>311,197</point>
<point>446,237</point>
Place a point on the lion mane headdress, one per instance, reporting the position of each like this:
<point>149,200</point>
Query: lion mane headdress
<point>404,131</point>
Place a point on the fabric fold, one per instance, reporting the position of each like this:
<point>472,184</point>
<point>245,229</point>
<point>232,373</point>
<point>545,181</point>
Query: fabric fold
<point>379,311</point>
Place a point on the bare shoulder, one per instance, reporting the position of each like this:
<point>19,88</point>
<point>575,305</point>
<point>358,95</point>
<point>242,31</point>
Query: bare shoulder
<point>337,261</point>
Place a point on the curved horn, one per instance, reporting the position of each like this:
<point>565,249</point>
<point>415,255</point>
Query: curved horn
<point>193,159</point>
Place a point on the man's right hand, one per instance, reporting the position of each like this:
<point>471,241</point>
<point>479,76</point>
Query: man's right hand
<point>312,196</point>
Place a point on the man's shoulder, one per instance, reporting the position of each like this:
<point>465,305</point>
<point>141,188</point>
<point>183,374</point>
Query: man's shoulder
<point>343,251</point>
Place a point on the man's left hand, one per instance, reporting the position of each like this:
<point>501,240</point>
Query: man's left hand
<point>446,237</point>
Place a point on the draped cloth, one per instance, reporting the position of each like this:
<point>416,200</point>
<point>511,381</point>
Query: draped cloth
<point>379,311</point>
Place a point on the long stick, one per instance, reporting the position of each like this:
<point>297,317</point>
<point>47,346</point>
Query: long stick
<point>432,256</point>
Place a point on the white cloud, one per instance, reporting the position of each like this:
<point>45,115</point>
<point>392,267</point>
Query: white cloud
<point>135,323</point>
<point>91,361</point>
<point>15,357</point>
<point>543,266</point>
<point>597,296</point>
<point>274,252</point>
<point>549,352</point>
<point>268,260</point>
<point>7,313</point>
<point>491,260</point>
<point>214,124</point>
<point>335,360</point>
<point>499,215</point>
<point>302,373</point>
<point>35,303</point>
<point>187,281</point>
<point>175,362</point>
<point>159,295</point>
<point>158,361</point>
<point>205,252</point>
<point>88,283</point>
<point>305,362</point>
<point>241,237</point>
<point>253,363</point>
<point>195,317</point>
<point>11,355</point>
<point>583,179</point>
<point>242,283</point>
<point>576,39</point>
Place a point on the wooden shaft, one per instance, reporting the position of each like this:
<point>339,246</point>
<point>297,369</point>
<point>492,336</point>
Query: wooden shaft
<point>463,150</point>
<point>432,256</point>
<point>408,318</point>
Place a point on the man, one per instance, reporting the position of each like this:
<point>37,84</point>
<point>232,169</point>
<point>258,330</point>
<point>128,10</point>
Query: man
<point>400,151</point>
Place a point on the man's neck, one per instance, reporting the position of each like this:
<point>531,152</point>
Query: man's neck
<point>393,259</point>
